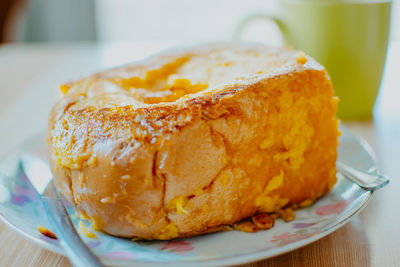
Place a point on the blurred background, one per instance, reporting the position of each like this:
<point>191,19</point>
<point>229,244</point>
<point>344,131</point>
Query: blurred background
<point>139,20</point>
<point>127,20</point>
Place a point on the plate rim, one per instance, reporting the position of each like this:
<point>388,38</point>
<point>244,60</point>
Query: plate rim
<point>227,260</point>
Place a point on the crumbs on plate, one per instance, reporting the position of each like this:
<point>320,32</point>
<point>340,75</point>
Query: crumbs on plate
<point>46,232</point>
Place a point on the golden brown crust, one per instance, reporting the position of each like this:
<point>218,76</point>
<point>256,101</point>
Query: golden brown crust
<point>196,160</point>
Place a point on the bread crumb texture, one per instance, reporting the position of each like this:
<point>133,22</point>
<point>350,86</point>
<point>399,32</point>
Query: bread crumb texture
<point>46,232</point>
<point>85,230</point>
<point>195,139</point>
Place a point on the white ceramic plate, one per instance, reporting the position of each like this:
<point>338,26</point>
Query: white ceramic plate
<point>21,210</point>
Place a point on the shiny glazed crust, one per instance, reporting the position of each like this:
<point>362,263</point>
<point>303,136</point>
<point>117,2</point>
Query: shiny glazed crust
<point>145,153</point>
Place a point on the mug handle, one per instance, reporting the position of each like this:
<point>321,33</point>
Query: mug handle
<point>244,22</point>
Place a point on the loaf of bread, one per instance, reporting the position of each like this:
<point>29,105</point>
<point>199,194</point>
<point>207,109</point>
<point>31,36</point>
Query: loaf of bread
<point>194,139</point>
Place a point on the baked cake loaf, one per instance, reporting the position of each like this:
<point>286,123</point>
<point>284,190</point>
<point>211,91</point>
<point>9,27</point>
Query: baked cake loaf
<point>194,139</point>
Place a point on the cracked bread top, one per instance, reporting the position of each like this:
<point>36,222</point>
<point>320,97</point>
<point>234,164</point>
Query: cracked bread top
<point>163,92</point>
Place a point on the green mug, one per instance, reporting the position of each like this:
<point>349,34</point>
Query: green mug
<point>348,37</point>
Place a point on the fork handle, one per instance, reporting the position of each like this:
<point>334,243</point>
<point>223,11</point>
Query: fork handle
<point>78,253</point>
<point>367,180</point>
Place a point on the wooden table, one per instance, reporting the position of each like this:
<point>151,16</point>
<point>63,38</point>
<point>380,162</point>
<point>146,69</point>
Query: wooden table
<point>29,75</point>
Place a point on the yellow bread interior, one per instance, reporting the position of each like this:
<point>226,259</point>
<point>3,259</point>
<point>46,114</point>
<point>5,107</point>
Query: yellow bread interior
<point>193,139</point>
